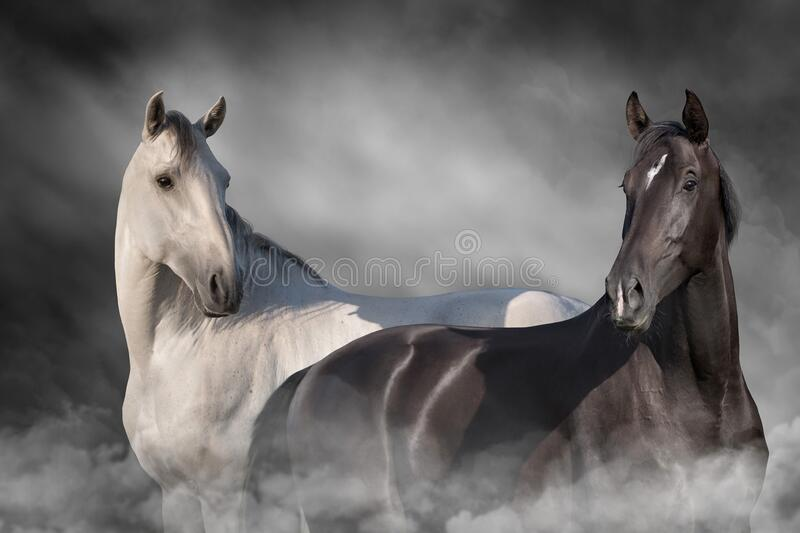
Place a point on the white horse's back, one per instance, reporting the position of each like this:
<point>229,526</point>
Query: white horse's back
<point>503,308</point>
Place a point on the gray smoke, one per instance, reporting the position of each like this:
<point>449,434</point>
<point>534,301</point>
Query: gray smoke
<point>619,496</point>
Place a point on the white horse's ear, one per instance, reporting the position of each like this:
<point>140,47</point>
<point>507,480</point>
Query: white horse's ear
<point>155,116</point>
<point>638,121</point>
<point>212,120</point>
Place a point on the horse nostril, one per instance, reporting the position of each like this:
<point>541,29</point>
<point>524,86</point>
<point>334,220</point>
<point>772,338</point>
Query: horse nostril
<point>635,294</point>
<point>213,283</point>
<point>217,293</point>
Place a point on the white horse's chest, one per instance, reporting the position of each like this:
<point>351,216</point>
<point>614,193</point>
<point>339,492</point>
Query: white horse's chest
<point>191,419</point>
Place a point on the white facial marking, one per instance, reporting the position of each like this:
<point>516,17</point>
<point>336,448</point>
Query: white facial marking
<point>655,169</point>
<point>619,299</point>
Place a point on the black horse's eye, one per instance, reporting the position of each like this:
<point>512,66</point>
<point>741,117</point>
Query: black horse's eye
<point>165,182</point>
<point>690,184</point>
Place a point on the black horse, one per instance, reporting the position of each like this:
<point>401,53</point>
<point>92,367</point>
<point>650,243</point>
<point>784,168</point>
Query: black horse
<point>634,415</point>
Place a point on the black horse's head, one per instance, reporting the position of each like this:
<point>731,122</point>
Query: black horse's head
<point>680,208</point>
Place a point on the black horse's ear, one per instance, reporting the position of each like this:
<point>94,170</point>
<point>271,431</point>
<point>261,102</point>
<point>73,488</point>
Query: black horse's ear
<point>154,116</point>
<point>212,120</point>
<point>694,118</point>
<point>638,121</point>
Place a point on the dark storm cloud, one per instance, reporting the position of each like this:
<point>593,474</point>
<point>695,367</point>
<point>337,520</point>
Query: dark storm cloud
<point>371,129</point>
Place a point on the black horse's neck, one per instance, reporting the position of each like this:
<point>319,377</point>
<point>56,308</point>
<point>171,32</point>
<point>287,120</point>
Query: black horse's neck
<point>695,340</point>
<point>696,326</point>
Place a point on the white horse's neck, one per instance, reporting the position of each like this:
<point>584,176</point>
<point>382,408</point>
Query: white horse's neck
<point>143,288</point>
<point>152,299</point>
<point>137,282</point>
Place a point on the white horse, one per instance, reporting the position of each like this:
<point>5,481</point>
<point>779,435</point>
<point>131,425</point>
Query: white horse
<point>209,343</point>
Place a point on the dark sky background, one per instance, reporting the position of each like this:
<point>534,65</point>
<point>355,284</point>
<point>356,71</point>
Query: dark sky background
<point>366,129</point>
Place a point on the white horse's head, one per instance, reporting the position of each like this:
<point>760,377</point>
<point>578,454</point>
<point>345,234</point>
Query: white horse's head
<point>174,196</point>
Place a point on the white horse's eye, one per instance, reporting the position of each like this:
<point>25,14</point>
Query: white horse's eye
<point>165,182</point>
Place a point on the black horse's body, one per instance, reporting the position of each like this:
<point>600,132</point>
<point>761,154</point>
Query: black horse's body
<point>622,418</point>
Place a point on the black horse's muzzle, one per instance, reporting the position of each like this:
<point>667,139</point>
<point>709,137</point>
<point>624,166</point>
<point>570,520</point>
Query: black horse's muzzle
<point>629,309</point>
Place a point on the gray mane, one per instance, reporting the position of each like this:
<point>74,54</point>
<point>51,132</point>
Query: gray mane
<point>659,132</point>
<point>254,245</point>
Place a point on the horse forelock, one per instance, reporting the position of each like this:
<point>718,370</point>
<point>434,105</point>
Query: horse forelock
<point>183,132</point>
<point>657,134</point>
